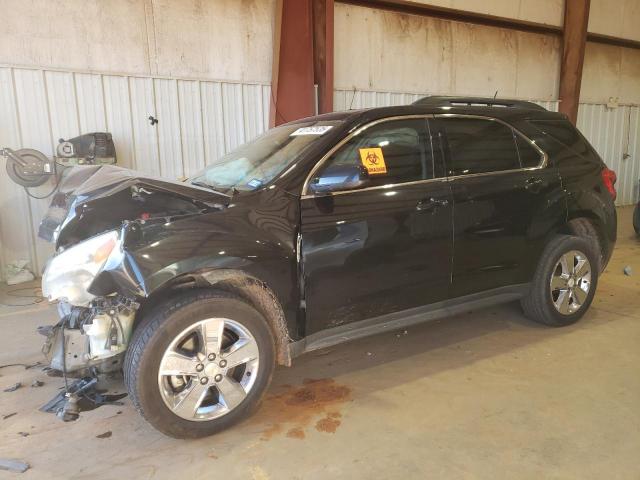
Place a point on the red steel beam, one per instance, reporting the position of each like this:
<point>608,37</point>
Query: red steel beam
<point>292,91</point>
<point>576,20</point>
<point>323,53</point>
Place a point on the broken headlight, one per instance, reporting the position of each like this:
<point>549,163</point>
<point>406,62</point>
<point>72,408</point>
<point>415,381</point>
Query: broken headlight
<point>69,274</point>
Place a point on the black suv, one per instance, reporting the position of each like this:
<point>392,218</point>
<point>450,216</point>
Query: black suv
<point>320,231</point>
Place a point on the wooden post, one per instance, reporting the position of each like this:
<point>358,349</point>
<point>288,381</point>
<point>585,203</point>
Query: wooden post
<point>323,53</point>
<point>576,20</point>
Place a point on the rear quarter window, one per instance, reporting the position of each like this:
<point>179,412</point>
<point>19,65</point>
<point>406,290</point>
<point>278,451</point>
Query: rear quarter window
<point>566,134</point>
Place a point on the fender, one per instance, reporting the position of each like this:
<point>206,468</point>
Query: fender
<point>156,255</point>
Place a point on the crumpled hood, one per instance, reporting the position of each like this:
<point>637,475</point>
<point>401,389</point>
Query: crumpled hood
<point>93,199</point>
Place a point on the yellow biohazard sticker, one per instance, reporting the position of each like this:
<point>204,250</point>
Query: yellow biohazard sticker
<point>373,160</point>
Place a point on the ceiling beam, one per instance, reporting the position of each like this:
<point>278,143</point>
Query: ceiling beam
<point>615,41</point>
<point>414,8</point>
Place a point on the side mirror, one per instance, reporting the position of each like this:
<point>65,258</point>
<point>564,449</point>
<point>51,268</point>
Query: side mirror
<point>339,177</point>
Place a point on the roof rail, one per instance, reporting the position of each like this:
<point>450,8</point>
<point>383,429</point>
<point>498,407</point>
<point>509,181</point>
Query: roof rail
<point>446,101</point>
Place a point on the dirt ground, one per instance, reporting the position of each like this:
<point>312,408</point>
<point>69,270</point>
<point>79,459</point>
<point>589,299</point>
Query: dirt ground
<point>486,394</point>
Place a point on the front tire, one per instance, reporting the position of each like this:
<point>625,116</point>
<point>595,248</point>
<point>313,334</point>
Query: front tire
<point>199,363</point>
<point>564,282</point>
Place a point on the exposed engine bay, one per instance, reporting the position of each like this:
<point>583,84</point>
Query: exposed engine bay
<point>90,340</point>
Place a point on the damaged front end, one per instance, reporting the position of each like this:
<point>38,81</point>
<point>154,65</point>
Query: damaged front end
<point>89,341</point>
<point>95,218</point>
<point>94,330</point>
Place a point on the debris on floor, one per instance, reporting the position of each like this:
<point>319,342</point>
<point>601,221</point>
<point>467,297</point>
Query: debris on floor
<point>9,415</point>
<point>16,466</point>
<point>37,383</point>
<point>627,270</point>
<point>80,396</point>
<point>25,365</point>
<point>13,387</point>
<point>105,434</point>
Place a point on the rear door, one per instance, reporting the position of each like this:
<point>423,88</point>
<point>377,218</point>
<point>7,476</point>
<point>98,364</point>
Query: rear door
<point>385,247</point>
<point>500,205</point>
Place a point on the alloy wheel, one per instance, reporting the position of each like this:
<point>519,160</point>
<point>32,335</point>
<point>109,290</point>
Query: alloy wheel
<point>570,282</point>
<point>208,369</point>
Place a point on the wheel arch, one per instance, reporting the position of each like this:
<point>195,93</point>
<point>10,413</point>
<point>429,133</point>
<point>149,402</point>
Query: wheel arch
<point>586,224</point>
<point>249,288</point>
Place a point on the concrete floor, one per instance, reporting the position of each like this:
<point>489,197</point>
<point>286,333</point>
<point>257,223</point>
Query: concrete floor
<point>481,395</point>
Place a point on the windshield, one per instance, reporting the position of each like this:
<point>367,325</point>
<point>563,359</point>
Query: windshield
<point>256,163</point>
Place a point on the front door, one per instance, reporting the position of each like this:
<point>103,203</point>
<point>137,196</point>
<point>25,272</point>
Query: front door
<point>386,245</point>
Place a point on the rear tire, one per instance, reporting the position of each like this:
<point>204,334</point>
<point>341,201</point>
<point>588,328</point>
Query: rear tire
<point>561,291</point>
<point>176,378</point>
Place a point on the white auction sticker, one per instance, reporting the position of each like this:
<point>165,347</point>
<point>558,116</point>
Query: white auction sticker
<point>317,130</point>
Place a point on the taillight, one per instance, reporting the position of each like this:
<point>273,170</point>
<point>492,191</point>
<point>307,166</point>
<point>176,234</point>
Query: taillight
<point>609,179</point>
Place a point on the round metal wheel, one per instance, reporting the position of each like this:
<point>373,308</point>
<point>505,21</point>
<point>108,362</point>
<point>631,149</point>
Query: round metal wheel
<point>570,282</point>
<point>208,369</point>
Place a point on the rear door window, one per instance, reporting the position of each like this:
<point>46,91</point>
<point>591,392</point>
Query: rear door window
<point>478,145</point>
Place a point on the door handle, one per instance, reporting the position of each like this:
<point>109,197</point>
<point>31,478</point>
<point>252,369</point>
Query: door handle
<point>533,183</point>
<point>431,203</point>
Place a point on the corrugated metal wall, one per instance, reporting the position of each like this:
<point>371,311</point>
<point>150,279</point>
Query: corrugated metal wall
<point>198,122</point>
<point>613,132</point>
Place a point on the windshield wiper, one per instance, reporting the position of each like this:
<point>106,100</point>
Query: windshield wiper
<point>207,186</point>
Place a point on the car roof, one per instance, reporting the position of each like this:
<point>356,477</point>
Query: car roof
<point>504,109</point>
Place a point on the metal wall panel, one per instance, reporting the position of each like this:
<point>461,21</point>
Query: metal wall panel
<point>191,118</point>
<point>615,134</point>
<point>16,234</point>
<point>198,122</point>
<point>215,143</point>
<point>145,135</point>
<point>91,102</point>
<point>232,111</point>
<point>119,120</point>
<point>169,130</point>
<point>354,99</point>
<point>34,124</point>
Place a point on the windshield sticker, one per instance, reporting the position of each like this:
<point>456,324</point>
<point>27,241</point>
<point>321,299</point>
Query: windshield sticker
<point>373,161</point>
<point>317,130</point>
<point>255,183</point>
